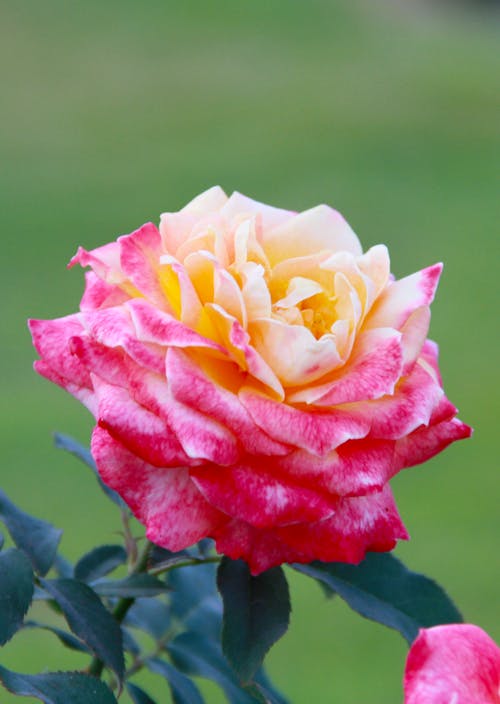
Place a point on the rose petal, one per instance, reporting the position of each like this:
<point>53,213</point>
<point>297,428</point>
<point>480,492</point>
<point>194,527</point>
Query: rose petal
<point>318,433</point>
<point>372,371</point>
<point>401,298</point>
<point>453,664</point>
<point>165,500</point>
<point>293,352</point>
<point>320,228</point>
<point>192,387</point>
<point>424,443</point>
<point>248,492</point>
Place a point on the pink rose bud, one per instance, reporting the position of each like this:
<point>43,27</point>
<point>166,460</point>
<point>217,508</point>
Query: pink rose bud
<point>255,378</point>
<point>456,664</point>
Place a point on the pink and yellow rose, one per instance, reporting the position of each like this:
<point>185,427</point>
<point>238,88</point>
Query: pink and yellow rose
<point>255,378</point>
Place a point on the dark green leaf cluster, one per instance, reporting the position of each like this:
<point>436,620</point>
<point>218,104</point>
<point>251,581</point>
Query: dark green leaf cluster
<point>206,617</point>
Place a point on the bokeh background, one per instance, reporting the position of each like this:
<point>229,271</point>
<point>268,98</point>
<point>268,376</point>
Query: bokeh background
<point>115,111</point>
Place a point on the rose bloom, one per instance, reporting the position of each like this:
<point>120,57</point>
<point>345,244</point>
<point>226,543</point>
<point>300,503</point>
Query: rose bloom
<point>255,378</point>
<point>455,664</point>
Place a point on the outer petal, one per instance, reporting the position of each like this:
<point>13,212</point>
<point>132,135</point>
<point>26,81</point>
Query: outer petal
<point>174,512</point>
<point>140,259</point>
<point>410,406</point>
<point>355,468</point>
<point>140,430</point>
<point>358,525</point>
<point>424,443</point>
<point>310,232</point>
<point>248,492</point>
<point>99,294</point>
<point>52,341</point>
<point>192,387</point>
<point>318,433</point>
<point>398,301</point>
<point>453,664</point>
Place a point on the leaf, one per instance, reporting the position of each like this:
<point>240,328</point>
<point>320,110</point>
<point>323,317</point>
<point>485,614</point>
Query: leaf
<point>89,620</point>
<point>137,585</point>
<point>129,642</point>
<point>16,591</point>
<point>63,567</point>
<point>382,589</point>
<point>138,695</point>
<point>149,615</point>
<point>99,562</point>
<point>2,541</point>
<point>37,538</point>
<point>196,655</point>
<point>66,639</point>
<point>58,687</point>
<point>256,614</point>
<point>64,442</point>
<point>194,599</point>
<point>184,691</point>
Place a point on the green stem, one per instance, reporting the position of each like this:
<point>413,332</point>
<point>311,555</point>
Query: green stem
<point>123,605</point>
<point>188,562</point>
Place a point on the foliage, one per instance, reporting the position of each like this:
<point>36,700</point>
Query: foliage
<point>175,598</point>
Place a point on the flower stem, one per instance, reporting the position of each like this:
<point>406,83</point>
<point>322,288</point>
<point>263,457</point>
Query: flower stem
<point>123,605</point>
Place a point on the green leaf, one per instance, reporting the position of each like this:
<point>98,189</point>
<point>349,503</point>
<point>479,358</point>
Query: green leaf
<point>149,615</point>
<point>37,538</point>
<point>138,695</point>
<point>99,562</point>
<point>89,620</point>
<point>196,655</point>
<point>64,442</point>
<point>2,541</point>
<point>58,687</point>
<point>16,591</point>
<point>382,589</point>
<point>184,691</point>
<point>256,614</point>
<point>66,639</point>
<point>137,585</point>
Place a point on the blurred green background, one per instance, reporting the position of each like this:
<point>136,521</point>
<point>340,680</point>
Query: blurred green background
<point>115,111</point>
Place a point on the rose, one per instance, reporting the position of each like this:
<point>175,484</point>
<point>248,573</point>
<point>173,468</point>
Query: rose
<point>255,378</point>
<point>453,664</point>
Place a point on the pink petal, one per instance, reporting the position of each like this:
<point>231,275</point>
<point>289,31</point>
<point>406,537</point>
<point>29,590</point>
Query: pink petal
<point>201,437</point>
<point>112,327</point>
<point>355,468</point>
<point>192,387</point>
<point>141,431</point>
<point>357,526</point>
<point>410,406</point>
<point>166,501</point>
<point>372,371</point>
<point>424,443</point>
<point>140,259</point>
<point>158,327</point>
<point>414,335</point>
<point>401,298</point>
<point>248,492</point>
<point>320,228</point>
<point>316,432</point>
<point>453,664</point>
<point>360,524</point>
<point>105,261</point>
<point>52,342</point>
<point>99,294</point>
